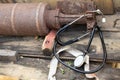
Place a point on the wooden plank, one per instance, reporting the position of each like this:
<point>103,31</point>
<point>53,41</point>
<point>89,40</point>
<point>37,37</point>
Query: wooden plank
<point>110,22</point>
<point>21,43</point>
<point>111,57</point>
<point>112,40</point>
<point>117,5</point>
<point>108,73</point>
<point>8,55</point>
<point>2,77</point>
<point>29,45</point>
<point>106,6</point>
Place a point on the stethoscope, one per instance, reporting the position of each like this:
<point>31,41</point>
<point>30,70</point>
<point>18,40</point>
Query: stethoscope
<point>92,33</point>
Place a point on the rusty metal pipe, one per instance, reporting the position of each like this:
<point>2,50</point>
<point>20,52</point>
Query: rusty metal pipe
<point>55,19</point>
<point>65,19</point>
<point>27,19</point>
<point>23,19</point>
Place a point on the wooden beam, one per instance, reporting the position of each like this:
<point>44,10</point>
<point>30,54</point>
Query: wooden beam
<point>106,6</point>
<point>2,77</point>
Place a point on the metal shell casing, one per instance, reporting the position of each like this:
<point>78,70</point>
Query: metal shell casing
<point>23,19</point>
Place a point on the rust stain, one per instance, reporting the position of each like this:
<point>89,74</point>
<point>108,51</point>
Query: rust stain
<point>12,19</point>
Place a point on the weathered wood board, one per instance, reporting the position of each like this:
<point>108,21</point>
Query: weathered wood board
<point>2,77</point>
<point>117,5</point>
<point>106,6</point>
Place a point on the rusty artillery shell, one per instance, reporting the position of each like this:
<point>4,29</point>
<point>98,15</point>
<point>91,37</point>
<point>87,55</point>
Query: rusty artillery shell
<point>23,19</point>
<point>28,19</point>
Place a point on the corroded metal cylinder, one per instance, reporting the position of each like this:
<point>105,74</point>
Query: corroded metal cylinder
<point>28,19</point>
<point>23,19</point>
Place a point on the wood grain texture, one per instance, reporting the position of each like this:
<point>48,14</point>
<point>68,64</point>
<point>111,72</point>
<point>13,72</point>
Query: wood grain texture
<point>117,5</point>
<point>106,6</point>
<point>2,77</point>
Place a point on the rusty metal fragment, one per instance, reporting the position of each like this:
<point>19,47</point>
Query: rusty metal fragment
<point>75,6</point>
